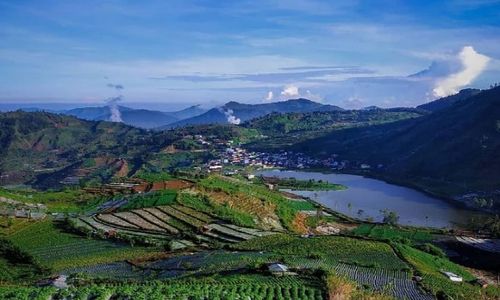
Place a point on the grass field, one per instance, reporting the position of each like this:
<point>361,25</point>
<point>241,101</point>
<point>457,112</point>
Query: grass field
<point>56,249</point>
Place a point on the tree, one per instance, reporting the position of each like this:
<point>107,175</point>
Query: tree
<point>390,217</point>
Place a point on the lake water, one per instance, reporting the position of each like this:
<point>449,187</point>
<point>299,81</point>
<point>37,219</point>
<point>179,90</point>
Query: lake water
<point>366,197</point>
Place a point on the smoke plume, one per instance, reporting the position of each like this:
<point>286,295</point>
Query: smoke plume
<point>114,110</point>
<point>112,103</point>
<point>231,118</point>
<point>472,65</point>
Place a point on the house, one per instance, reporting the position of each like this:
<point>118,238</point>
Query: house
<point>250,176</point>
<point>277,269</point>
<point>57,282</point>
<point>452,276</point>
<point>270,186</point>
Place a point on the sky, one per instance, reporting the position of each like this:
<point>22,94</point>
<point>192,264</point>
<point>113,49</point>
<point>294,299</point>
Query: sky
<point>347,53</point>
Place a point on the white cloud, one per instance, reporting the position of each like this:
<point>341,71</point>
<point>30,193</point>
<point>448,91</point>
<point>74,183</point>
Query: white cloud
<point>472,63</point>
<point>290,91</point>
<point>269,96</point>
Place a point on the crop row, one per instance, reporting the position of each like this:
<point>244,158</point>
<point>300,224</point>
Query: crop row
<point>202,290</point>
<point>173,220</point>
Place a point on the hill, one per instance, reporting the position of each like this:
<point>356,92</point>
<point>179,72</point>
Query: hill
<point>38,143</point>
<point>46,150</point>
<point>235,113</point>
<point>448,101</point>
<point>452,151</point>
<point>286,129</point>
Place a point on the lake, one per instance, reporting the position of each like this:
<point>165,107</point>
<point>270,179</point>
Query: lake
<point>365,198</point>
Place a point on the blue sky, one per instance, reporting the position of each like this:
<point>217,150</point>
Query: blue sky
<point>348,53</point>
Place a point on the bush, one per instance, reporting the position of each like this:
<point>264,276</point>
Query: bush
<point>431,249</point>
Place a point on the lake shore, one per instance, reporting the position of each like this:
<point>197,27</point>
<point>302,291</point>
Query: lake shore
<point>366,198</point>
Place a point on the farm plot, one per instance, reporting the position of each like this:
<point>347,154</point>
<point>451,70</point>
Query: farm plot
<point>148,216</point>
<point>172,220</point>
<point>114,221</point>
<point>58,250</point>
<point>139,221</point>
<point>116,270</point>
<point>194,213</point>
<point>186,219</point>
<point>93,225</point>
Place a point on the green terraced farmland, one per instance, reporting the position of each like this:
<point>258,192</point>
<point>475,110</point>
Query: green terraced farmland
<point>57,249</point>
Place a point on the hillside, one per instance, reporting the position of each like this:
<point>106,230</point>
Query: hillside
<point>32,144</point>
<point>234,112</point>
<point>43,149</point>
<point>286,129</point>
<point>448,101</point>
<point>451,151</point>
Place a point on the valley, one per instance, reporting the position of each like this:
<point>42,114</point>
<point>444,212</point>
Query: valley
<point>263,208</point>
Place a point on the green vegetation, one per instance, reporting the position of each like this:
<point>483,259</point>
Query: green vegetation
<point>339,287</point>
<point>430,267</point>
<point>388,232</point>
<point>337,248</point>
<point>204,204</point>
<point>17,266</point>
<point>301,205</point>
<point>153,177</point>
<point>67,200</point>
<point>430,167</point>
<point>56,249</point>
<point>284,211</point>
<point>165,197</point>
<point>308,185</point>
<point>486,223</point>
<point>216,287</point>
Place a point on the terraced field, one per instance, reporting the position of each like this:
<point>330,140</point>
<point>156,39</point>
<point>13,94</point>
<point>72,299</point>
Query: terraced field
<point>57,249</point>
<point>164,222</point>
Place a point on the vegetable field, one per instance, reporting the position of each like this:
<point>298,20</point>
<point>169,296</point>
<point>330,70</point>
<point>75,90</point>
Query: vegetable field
<point>227,287</point>
<point>57,249</point>
<point>341,249</point>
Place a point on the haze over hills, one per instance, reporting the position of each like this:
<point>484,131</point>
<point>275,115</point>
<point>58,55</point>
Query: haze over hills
<point>142,118</point>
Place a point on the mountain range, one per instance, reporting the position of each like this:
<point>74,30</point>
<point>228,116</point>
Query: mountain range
<point>236,113</point>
